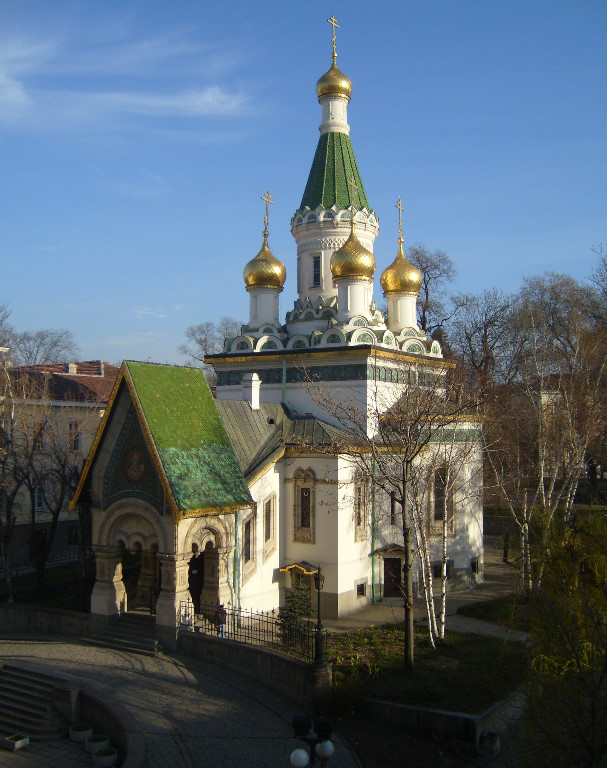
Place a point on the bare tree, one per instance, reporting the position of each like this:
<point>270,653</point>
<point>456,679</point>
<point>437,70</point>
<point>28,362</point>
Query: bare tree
<point>15,459</point>
<point>540,426</point>
<point>208,339</point>
<point>438,273</point>
<point>480,334</point>
<point>6,329</point>
<point>43,347</point>
<point>386,440</point>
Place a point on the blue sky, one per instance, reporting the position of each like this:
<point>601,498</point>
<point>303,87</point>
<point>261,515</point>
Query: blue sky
<point>137,137</point>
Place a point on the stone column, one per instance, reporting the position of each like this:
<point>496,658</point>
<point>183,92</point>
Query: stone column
<point>108,600</point>
<point>174,591</point>
<point>225,585</point>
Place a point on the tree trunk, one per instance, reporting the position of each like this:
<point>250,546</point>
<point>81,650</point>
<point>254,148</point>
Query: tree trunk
<point>409,653</point>
<point>408,569</point>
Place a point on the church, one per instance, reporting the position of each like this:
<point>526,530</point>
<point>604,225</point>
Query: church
<point>237,496</point>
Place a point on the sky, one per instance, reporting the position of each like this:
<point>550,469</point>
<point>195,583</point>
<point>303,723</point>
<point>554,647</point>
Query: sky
<point>138,136</point>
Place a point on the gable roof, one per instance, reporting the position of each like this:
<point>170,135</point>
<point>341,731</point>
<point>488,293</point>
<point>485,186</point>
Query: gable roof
<point>89,381</point>
<point>185,436</point>
<point>256,435</point>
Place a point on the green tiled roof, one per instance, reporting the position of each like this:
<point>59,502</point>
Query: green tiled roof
<point>333,165</point>
<point>193,446</point>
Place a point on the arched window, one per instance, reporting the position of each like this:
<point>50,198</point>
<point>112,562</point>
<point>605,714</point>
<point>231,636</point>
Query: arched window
<point>304,512</point>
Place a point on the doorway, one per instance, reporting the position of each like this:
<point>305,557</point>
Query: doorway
<point>392,577</point>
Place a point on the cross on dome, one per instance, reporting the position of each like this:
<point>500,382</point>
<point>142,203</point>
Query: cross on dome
<point>333,22</point>
<point>268,201</point>
<point>401,208</point>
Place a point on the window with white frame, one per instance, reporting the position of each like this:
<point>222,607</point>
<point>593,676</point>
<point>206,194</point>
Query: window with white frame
<point>304,506</point>
<point>269,525</point>
<point>38,499</point>
<point>74,436</point>
<point>441,501</point>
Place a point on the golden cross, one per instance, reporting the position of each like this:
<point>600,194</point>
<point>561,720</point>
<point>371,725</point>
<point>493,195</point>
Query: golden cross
<point>268,200</point>
<point>333,22</point>
<point>401,208</point>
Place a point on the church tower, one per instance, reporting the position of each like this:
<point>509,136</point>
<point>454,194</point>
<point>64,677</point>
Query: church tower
<point>335,332</point>
<point>334,193</point>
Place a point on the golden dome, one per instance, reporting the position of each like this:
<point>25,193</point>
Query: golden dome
<point>265,271</point>
<point>401,276</point>
<point>334,82</point>
<point>353,260</point>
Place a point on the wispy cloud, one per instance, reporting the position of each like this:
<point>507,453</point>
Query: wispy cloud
<point>143,185</point>
<point>132,339</point>
<point>51,248</point>
<point>48,85</point>
<point>141,312</point>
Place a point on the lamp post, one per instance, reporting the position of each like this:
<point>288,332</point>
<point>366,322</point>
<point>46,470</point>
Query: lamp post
<point>319,646</point>
<point>317,735</point>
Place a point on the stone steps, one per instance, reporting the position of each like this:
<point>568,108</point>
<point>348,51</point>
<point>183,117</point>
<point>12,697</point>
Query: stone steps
<point>26,705</point>
<point>132,632</point>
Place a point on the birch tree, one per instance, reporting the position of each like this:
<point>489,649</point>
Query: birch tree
<point>386,440</point>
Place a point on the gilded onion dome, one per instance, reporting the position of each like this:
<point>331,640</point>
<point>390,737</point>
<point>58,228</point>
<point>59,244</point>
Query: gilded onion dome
<point>353,260</point>
<point>334,82</point>
<point>265,271</point>
<point>401,276</point>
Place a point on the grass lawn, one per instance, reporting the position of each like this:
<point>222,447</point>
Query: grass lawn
<point>508,612</point>
<point>465,673</point>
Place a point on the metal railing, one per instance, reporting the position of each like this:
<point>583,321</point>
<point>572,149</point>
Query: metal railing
<point>266,628</point>
<point>58,572</point>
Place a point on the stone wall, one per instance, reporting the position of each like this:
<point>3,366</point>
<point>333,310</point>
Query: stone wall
<point>34,620</point>
<point>282,673</point>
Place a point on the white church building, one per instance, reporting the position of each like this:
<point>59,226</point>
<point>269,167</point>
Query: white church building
<point>255,482</point>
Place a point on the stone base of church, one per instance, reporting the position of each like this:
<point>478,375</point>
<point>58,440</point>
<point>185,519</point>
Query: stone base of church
<point>167,636</point>
<point>108,599</point>
<point>167,617</point>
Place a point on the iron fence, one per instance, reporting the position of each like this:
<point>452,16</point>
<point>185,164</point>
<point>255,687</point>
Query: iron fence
<point>295,637</point>
<point>26,580</point>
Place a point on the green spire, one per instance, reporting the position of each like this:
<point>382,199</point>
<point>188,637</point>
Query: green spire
<point>333,165</point>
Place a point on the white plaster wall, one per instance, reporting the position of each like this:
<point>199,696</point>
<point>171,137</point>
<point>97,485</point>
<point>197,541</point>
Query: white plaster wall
<point>260,586</point>
<point>263,306</point>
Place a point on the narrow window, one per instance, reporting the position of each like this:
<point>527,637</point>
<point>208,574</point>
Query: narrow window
<point>74,436</point>
<point>38,499</point>
<point>440,493</point>
<point>360,510</point>
<point>267,521</point>
<point>360,501</point>
<point>316,271</point>
<point>39,438</point>
<point>306,507</point>
<point>247,541</point>
<point>392,507</point>
<point>303,499</point>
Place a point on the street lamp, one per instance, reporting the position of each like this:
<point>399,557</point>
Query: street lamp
<point>318,738</point>
<point>319,646</point>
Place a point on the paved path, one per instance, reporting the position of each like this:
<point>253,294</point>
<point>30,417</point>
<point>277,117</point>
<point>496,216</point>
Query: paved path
<point>499,581</point>
<point>193,715</point>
